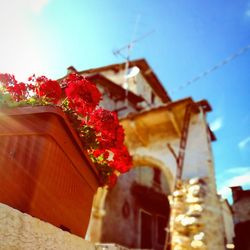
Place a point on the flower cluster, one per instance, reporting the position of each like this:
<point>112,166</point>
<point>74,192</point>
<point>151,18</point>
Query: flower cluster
<point>48,88</point>
<point>99,129</point>
<point>40,91</point>
<point>83,95</point>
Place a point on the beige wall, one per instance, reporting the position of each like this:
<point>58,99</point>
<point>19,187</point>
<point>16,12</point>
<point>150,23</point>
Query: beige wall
<point>19,231</point>
<point>228,221</point>
<point>116,228</point>
<point>197,150</point>
<point>138,85</point>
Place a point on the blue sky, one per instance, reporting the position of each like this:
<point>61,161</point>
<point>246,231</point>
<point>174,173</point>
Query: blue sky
<point>47,36</point>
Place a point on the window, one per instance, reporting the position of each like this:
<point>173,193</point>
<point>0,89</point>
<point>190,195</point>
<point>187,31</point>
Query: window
<point>153,233</point>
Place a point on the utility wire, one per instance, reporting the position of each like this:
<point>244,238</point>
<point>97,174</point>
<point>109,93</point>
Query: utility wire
<point>212,69</point>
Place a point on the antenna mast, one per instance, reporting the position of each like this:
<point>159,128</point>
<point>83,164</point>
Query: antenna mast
<point>129,47</point>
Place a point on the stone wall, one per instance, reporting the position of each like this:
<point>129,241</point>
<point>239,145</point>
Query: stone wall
<point>19,231</point>
<point>196,221</point>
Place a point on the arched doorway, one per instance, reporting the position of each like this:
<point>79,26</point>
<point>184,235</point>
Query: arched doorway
<point>137,209</point>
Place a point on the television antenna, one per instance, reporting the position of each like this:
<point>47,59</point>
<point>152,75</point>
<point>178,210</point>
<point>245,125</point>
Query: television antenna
<point>130,45</point>
<point>128,49</point>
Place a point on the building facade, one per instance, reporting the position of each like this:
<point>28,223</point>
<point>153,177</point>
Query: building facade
<point>170,142</point>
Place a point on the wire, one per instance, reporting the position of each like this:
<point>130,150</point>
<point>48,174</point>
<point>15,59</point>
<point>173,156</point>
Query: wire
<point>212,69</point>
<point>132,43</point>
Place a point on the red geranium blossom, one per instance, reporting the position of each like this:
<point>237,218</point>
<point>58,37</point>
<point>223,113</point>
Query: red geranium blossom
<point>99,152</point>
<point>122,160</point>
<point>49,89</point>
<point>117,158</point>
<point>83,96</point>
<point>17,91</point>
<point>109,132</point>
<point>7,79</point>
<point>103,119</point>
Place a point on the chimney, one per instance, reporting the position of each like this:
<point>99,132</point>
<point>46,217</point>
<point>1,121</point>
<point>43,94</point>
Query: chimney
<point>71,69</point>
<point>236,191</point>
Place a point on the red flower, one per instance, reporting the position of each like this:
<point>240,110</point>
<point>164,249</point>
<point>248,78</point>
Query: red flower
<point>83,96</point>
<point>122,161</point>
<point>7,79</point>
<point>17,91</point>
<point>103,119</point>
<point>99,152</point>
<point>49,89</point>
<point>109,132</point>
<point>119,136</point>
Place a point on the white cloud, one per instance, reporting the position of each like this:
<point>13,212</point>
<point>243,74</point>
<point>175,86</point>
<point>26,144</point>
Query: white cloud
<point>240,180</point>
<point>216,124</point>
<point>237,170</point>
<point>244,143</point>
<point>237,176</point>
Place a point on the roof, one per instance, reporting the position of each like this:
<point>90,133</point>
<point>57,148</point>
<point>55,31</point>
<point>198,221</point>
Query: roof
<point>115,90</point>
<point>239,193</point>
<point>145,70</point>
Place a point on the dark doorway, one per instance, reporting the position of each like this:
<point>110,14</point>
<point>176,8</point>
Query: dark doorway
<point>146,230</point>
<point>161,232</point>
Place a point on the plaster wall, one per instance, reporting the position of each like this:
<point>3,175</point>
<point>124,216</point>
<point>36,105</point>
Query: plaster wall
<point>197,152</point>
<point>213,216</point>
<point>120,106</point>
<point>117,227</point>
<point>197,156</point>
<point>19,231</point>
<point>137,84</point>
<point>160,152</point>
<point>228,221</point>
